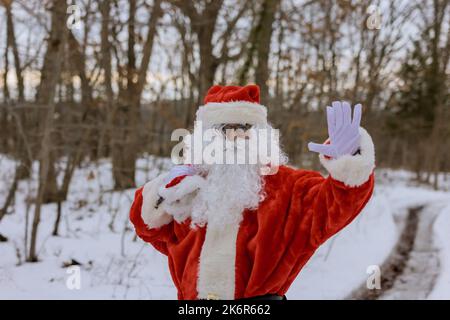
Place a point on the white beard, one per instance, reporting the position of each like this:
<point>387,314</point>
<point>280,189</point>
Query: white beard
<point>229,190</point>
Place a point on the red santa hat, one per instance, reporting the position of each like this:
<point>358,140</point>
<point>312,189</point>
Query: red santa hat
<point>232,104</point>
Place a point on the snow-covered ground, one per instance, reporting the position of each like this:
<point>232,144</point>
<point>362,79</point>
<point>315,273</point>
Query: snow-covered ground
<point>96,233</point>
<point>442,235</point>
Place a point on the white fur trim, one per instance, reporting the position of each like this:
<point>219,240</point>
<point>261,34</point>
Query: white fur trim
<point>186,186</point>
<point>153,217</point>
<point>232,112</point>
<point>216,275</point>
<point>354,170</point>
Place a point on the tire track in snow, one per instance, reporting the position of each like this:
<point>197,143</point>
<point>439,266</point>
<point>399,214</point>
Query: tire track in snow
<point>411,269</point>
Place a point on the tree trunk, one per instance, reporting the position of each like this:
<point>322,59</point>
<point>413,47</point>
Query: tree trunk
<point>58,219</point>
<point>259,48</point>
<point>122,148</point>
<point>52,68</point>
<point>10,195</point>
<point>105,9</point>
<point>124,144</point>
<point>50,77</point>
<point>262,71</point>
<point>437,94</point>
<point>208,63</point>
<point>105,64</point>
<point>203,24</point>
<point>5,77</point>
<point>13,45</point>
<point>78,60</point>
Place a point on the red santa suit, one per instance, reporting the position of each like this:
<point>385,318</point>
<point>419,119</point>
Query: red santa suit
<point>265,252</point>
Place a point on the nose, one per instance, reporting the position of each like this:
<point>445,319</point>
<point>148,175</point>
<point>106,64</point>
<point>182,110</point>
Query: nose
<point>232,134</point>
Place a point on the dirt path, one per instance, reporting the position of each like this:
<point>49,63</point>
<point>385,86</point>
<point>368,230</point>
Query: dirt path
<point>411,269</point>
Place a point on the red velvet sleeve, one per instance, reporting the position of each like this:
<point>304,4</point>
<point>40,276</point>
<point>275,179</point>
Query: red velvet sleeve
<point>158,237</point>
<point>328,205</point>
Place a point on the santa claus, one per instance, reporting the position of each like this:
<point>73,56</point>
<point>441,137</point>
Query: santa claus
<point>230,231</point>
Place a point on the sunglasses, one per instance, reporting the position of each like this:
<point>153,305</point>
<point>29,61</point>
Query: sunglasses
<point>236,126</point>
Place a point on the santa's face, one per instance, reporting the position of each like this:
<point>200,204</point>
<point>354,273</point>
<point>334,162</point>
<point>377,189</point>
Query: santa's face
<point>231,187</point>
<point>233,144</point>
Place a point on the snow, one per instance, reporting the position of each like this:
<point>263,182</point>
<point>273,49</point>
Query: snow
<point>441,230</point>
<point>340,265</point>
<point>95,232</point>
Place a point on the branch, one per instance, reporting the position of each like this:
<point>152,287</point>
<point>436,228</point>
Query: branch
<point>148,46</point>
<point>188,9</point>
<point>227,34</point>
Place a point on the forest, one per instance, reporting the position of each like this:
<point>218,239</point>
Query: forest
<point>102,84</point>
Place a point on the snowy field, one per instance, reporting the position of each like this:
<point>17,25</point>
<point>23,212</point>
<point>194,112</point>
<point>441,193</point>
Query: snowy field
<point>95,232</point>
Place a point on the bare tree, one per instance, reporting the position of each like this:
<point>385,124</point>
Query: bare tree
<point>46,94</point>
<point>203,20</point>
<point>259,47</point>
<point>124,138</point>
<point>438,95</point>
<point>203,24</point>
<point>106,65</point>
<point>12,43</point>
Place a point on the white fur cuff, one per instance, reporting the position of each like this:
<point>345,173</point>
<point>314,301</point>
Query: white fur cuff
<point>354,170</point>
<point>153,217</point>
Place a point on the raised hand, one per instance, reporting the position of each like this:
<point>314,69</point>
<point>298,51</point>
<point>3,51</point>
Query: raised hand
<point>342,130</point>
